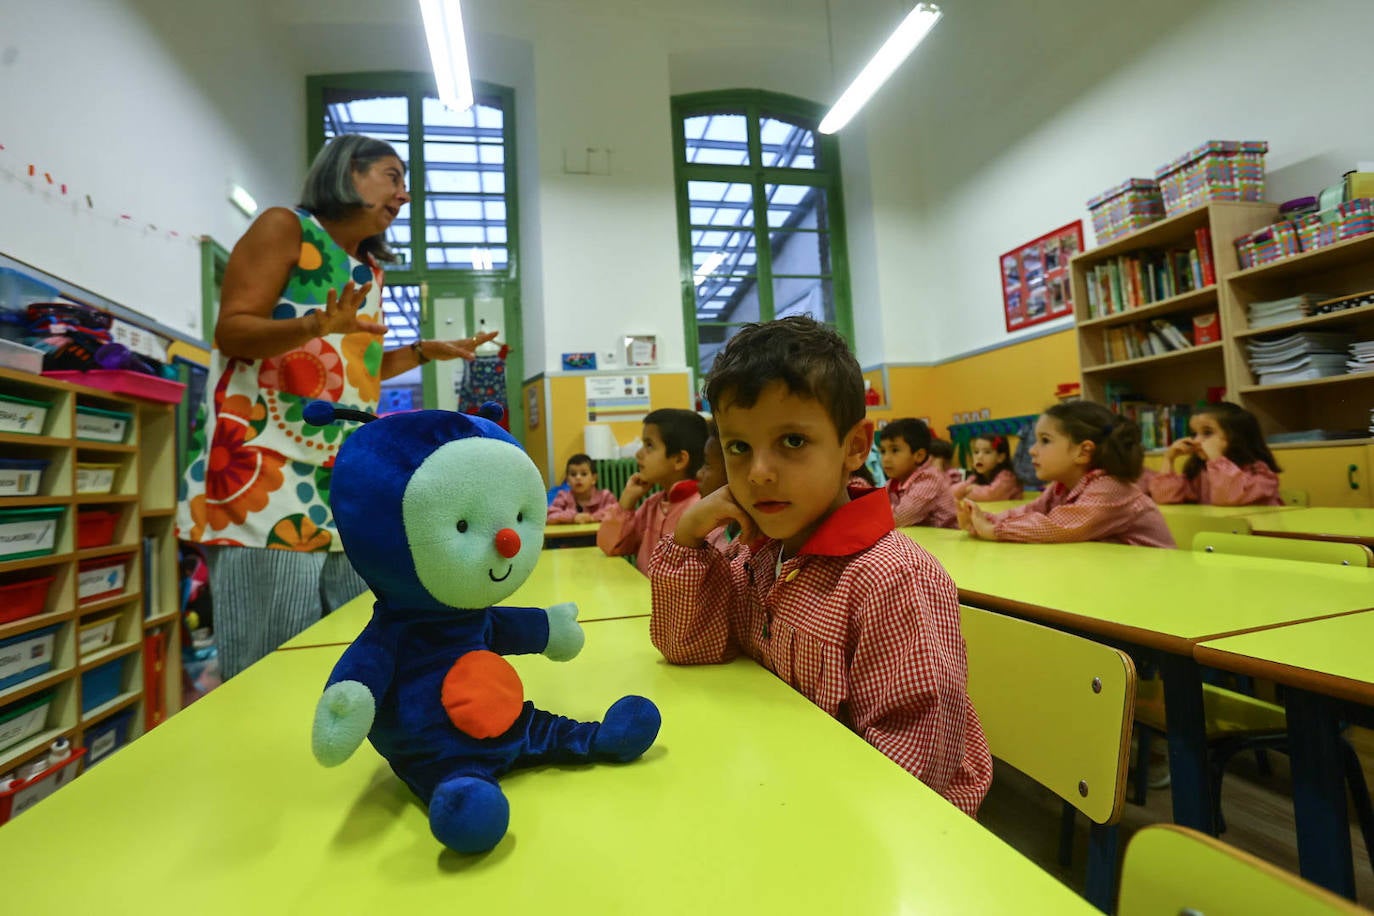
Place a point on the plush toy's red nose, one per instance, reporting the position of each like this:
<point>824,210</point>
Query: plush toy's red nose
<point>507,542</point>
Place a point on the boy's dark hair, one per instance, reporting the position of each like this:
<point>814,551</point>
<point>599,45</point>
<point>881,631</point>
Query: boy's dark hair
<point>810,359</point>
<point>1000,446</point>
<point>681,431</point>
<point>941,448</point>
<point>1244,442</point>
<point>863,473</point>
<point>912,431</point>
<point>579,458</point>
<point>1117,439</point>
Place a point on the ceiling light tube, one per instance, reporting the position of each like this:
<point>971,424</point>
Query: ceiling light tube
<point>448,52</point>
<point>896,49</point>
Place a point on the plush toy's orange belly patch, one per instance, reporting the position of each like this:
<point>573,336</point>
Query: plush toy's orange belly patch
<point>482,694</point>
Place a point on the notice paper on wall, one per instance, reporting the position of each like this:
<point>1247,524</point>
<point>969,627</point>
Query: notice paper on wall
<point>612,398</point>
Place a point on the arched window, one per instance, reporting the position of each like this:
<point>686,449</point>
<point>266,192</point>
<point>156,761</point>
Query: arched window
<point>739,155</point>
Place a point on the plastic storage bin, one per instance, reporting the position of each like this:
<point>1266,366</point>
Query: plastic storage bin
<point>19,356</point>
<point>25,795</point>
<point>101,685</point>
<point>95,424</point>
<point>26,656</point>
<point>101,577</point>
<point>95,527</point>
<point>107,737</point>
<point>1216,170</point>
<point>1125,208</point>
<point>21,415</point>
<point>95,477</point>
<point>94,635</point>
<point>21,476</point>
<point>28,532</point>
<point>24,598</point>
<point>18,289</point>
<point>123,381</point>
<point>24,719</point>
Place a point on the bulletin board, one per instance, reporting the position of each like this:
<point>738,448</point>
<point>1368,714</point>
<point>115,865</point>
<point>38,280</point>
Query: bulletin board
<point>1035,277</point>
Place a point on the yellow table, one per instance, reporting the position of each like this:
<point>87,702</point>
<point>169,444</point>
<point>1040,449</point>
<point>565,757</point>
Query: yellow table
<point>1186,519</point>
<point>1163,601</point>
<point>565,532</point>
<point>603,587</point>
<point>1327,665</point>
<point>1352,525</point>
<point>752,800</point>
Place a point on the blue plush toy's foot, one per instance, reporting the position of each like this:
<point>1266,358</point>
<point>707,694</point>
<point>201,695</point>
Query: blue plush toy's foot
<point>629,728</point>
<point>468,815</point>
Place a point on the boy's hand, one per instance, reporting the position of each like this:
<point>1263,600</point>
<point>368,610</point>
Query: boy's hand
<point>964,512</point>
<point>712,512</point>
<point>980,522</point>
<point>635,488</point>
<point>582,518</point>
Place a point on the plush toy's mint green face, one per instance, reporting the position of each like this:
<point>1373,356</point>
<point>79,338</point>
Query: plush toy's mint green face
<point>474,516</point>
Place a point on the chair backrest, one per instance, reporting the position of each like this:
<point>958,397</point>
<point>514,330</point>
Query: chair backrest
<point>1293,497</point>
<point>1336,552</point>
<point>1055,706</point>
<point>1171,869</point>
<point>1183,525</point>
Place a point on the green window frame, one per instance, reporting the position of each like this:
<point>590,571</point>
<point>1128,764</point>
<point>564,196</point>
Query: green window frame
<point>737,272</point>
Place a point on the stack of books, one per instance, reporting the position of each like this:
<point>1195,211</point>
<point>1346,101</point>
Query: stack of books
<point>1299,357</point>
<point>1142,277</point>
<point>1361,356</point>
<point>1281,311</point>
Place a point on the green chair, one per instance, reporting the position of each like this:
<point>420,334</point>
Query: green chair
<point>1336,552</point>
<point>1184,526</point>
<point>1293,497</point>
<point>1172,870</point>
<point>1057,707</point>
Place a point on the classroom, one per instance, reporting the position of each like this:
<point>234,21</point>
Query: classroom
<point>284,282</point>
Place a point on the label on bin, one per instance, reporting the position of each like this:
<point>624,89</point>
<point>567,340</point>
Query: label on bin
<point>94,480</point>
<point>94,426</point>
<point>22,656</point>
<point>100,581</point>
<point>102,745</point>
<point>22,537</point>
<point>18,483</point>
<point>21,418</point>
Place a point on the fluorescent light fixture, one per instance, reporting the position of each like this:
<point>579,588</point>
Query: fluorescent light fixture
<point>710,264</point>
<point>243,200</point>
<point>448,51</point>
<point>898,46</point>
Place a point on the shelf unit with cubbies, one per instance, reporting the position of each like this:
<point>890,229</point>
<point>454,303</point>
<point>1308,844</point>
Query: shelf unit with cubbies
<point>116,642</point>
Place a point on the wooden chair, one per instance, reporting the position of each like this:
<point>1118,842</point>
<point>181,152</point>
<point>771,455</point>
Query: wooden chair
<point>1173,870</point>
<point>1336,552</point>
<point>1184,526</point>
<point>1293,497</point>
<point>1058,708</point>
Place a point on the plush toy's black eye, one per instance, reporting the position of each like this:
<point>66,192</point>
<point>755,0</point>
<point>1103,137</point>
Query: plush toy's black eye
<point>519,516</point>
<point>462,526</point>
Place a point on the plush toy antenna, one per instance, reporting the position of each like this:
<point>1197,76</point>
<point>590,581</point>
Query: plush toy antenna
<point>491,411</point>
<point>322,413</point>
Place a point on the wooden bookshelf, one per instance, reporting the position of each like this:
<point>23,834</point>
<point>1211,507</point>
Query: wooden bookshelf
<point>144,494</point>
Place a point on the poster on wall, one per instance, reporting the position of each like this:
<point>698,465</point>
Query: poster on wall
<point>1035,277</point>
<point>617,398</point>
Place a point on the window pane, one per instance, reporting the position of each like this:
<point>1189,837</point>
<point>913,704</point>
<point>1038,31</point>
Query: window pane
<point>401,314</point>
<point>812,296</point>
<point>786,145</point>
<point>806,253</point>
<point>717,139</point>
<point>720,252</point>
<point>465,185</point>
<point>711,338</point>
<point>723,297</point>
<point>468,257</point>
<point>719,203</point>
<point>796,206</point>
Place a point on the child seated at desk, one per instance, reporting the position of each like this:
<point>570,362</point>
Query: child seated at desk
<point>1228,464</point>
<point>993,478</point>
<point>710,478</point>
<point>917,488</point>
<point>1090,458</point>
<point>583,501</point>
<point>820,589</point>
<point>942,456</point>
<point>668,457</point>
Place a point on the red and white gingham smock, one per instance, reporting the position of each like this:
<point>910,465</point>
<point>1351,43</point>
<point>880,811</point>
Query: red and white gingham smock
<point>1098,508</point>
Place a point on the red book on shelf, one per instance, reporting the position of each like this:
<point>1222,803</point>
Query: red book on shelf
<point>1206,329</point>
<point>1204,253</point>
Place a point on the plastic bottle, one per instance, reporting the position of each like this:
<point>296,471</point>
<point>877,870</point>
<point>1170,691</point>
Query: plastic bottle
<point>60,750</point>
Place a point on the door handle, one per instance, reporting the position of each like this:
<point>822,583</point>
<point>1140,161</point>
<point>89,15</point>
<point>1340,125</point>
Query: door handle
<point>1350,476</point>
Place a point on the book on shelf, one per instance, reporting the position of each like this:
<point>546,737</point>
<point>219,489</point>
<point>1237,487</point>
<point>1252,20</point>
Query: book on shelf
<point>151,602</point>
<point>1300,357</point>
<point>1160,424</point>
<point>1281,311</point>
<point>1134,280</point>
<point>1136,341</point>
<point>1361,357</point>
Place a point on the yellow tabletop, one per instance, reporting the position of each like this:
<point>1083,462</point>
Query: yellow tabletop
<point>1193,510</point>
<point>1329,656</point>
<point>1169,599</point>
<point>558,532</point>
<point>1331,524</point>
<point>602,587</point>
<point>752,800</point>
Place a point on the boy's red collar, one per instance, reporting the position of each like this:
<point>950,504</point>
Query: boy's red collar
<point>681,490</point>
<point>855,526</point>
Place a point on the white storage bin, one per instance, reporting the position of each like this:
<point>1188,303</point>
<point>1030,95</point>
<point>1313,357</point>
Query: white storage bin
<point>21,358</point>
<point>21,415</point>
<point>97,635</point>
<point>95,478</point>
<point>98,425</point>
<point>102,578</point>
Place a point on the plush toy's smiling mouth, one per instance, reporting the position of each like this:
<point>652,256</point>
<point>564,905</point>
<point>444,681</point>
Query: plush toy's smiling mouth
<point>492,576</point>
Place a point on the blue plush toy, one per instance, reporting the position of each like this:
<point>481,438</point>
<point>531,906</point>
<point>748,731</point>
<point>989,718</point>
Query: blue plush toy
<point>443,515</point>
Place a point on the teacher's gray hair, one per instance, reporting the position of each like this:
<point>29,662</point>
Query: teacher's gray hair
<point>329,191</point>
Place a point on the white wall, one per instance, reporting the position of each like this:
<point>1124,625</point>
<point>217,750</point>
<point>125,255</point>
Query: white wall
<point>151,107</point>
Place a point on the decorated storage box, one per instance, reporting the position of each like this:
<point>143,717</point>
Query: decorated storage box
<point>1125,208</point>
<point>1356,217</point>
<point>95,477</point>
<point>24,719</point>
<point>107,736</point>
<point>24,795</point>
<point>26,656</point>
<point>101,685</point>
<point>98,425</point>
<point>95,527</point>
<point>101,577</point>
<point>21,415</point>
<point>1317,230</point>
<point>1216,170</point>
<point>24,597</point>
<point>1267,244</point>
<point>97,634</point>
<point>21,476</point>
<point>28,532</point>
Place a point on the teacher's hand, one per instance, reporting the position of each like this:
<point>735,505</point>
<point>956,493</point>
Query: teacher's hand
<point>340,314</point>
<point>465,348</point>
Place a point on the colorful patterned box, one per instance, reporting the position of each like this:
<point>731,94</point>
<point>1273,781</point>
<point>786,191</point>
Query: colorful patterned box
<point>1316,231</point>
<point>1125,208</point>
<point>1267,244</point>
<point>1357,217</point>
<point>1216,170</point>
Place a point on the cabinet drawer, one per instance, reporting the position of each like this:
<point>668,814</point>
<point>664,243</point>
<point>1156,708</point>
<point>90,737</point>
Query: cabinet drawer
<point>1334,476</point>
